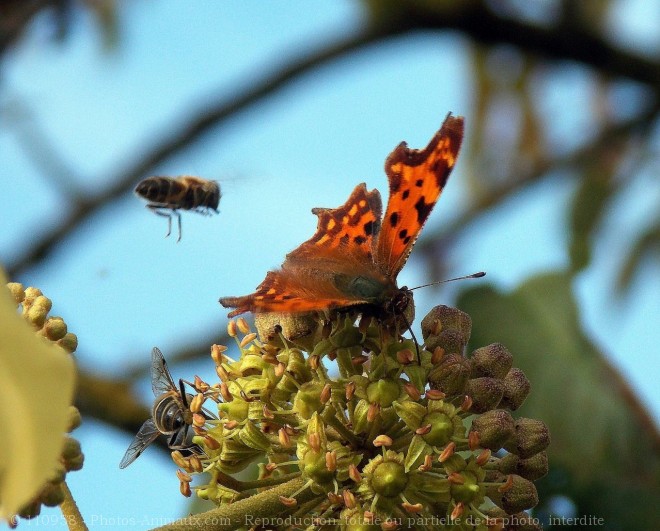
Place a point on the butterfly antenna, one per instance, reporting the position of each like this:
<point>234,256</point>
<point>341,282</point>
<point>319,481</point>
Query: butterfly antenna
<point>473,275</point>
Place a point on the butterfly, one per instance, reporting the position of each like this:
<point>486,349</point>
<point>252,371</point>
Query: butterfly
<point>354,257</point>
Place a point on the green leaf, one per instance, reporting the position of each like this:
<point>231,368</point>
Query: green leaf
<point>36,392</point>
<point>601,437</point>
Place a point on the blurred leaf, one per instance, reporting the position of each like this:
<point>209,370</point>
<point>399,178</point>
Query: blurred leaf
<point>647,244</point>
<point>602,439</point>
<point>588,205</point>
<point>37,390</point>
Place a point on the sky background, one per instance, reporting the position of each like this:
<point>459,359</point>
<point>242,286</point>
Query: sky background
<point>123,288</point>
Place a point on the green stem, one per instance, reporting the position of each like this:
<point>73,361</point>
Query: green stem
<point>246,513</point>
<point>70,511</point>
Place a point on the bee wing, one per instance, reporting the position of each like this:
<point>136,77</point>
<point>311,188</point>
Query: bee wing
<point>145,436</point>
<point>161,379</point>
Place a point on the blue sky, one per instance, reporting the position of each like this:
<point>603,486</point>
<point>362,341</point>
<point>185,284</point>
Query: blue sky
<point>123,288</point>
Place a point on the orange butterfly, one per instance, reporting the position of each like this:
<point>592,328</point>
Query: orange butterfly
<point>354,257</point>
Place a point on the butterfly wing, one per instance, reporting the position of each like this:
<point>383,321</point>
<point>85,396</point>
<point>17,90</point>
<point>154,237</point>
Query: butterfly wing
<point>320,274</point>
<point>416,179</point>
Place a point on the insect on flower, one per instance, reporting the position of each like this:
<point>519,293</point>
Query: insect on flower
<point>170,415</point>
<point>168,195</point>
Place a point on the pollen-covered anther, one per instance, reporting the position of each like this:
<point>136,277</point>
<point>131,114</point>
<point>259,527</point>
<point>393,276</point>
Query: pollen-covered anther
<point>211,443</point>
<point>438,354</point>
<point>314,362</point>
<point>267,413</point>
<point>412,391</point>
<point>426,465</point>
<point>459,509</point>
<point>280,369</point>
<point>288,502</point>
<point>232,328</point>
<point>179,460</point>
<point>412,508</point>
<point>383,440</point>
<point>368,517</point>
<point>198,420</point>
<point>350,390</point>
<point>331,460</point>
<point>284,438</point>
<point>423,430</point>
<point>484,457</point>
<point>270,467</point>
<point>405,356</point>
<point>507,485</point>
<point>456,478</point>
<point>349,499</point>
<point>354,473</point>
<point>183,476</point>
<point>217,354</point>
<point>447,452</point>
<point>197,402</point>
<point>373,411</point>
<point>473,440</point>
<point>325,394</point>
<point>224,392</point>
<point>195,463</point>
<point>314,441</point>
<point>184,488</point>
<point>231,424</point>
<point>249,338</point>
<point>222,373</point>
<point>466,405</point>
<point>435,394</point>
<point>389,525</point>
<point>335,499</point>
<point>242,325</point>
<point>360,360</point>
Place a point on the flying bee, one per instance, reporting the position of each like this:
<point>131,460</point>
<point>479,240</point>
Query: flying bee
<point>168,195</point>
<point>170,414</point>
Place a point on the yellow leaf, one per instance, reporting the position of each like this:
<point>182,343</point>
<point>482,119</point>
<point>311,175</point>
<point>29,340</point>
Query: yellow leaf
<point>37,389</point>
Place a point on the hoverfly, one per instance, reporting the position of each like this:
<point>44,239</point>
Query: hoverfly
<point>168,195</point>
<point>170,413</point>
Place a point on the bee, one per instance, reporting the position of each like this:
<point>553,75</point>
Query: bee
<point>170,414</point>
<point>168,195</point>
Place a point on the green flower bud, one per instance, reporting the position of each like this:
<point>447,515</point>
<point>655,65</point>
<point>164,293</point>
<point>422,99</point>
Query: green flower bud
<point>52,495</point>
<point>54,328</point>
<point>300,329</point>
<point>448,328</point>
<point>389,479</point>
<point>75,419</point>
<point>485,392</point>
<point>493,361</point>
<point>383,392</point>
<point>69,342</point>
<point>532,468</point>
<point>495,428</point>
<point>519,496</point>
<point>37,314</point>
<point>253,437</point>
<point>17,292</point>
<point>308,399</point>
<point>532,436</point>
<point>31,510</point>
<point>347,335</point>
<point>516,389</point>
<point>450,375</point>
<point>30,295</point>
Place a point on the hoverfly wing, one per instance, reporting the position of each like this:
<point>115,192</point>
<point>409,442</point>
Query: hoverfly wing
<point>161,379</point>
<point>145,436</point>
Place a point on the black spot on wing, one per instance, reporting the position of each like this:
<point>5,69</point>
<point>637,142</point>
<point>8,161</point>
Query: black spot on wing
<point>423,210</point>
<point>394,219</point>
<point>405,194</point>
<point>369,228</point>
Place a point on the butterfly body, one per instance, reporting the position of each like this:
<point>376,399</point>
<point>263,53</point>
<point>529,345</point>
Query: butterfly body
<point>353,259</point>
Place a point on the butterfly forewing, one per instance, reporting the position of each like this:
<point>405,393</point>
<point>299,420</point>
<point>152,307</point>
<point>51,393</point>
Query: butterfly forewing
<point>416,178</point>
<point>145,436</point>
